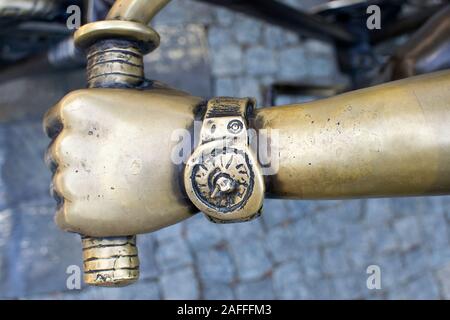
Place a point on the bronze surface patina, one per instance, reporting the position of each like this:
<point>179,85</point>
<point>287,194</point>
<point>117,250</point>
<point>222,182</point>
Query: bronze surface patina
<point>141,11</point>
<point>222,177</point>
<point>112,149</point>
<point>383,141</point>
<point>110,261</point>
<point>115,50</point>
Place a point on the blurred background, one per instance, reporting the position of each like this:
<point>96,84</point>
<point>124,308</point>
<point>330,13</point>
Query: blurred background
<point>297,249</point>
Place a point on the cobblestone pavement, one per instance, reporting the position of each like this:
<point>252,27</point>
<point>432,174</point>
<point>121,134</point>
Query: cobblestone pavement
<point>296,250</point>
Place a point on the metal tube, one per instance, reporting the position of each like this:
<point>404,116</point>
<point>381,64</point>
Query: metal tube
<point>286,16</point>
<point>136,10</point>
<point>427,50</point>
<point>404,25</point>
<point>388,140</point>
<point>116,63</point>
<point>112,261</point>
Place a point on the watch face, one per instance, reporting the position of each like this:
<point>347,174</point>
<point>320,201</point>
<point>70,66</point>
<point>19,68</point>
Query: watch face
<point>223,179</point>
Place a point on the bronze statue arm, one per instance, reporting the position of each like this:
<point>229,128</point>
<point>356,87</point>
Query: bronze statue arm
<point>388,140</point>
<point>112,150</point>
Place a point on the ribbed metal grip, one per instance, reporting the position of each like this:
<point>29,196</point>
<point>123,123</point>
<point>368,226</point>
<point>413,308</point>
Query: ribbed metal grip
<point>115,64</point>
<point>110,261</point>
<point>112,63</point>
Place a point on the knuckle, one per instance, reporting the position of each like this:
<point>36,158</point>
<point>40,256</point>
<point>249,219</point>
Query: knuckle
<point>69,183</point>
<point>55,191</point>
<point>50,158</point>
<point>53,163</point>
<point>61,220</point>
<point>56,195</point>
<point>61,152</point>
<point>53,122</point>
<point>75,100</point>
<point>54,119</point>
<point>56,154</point>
